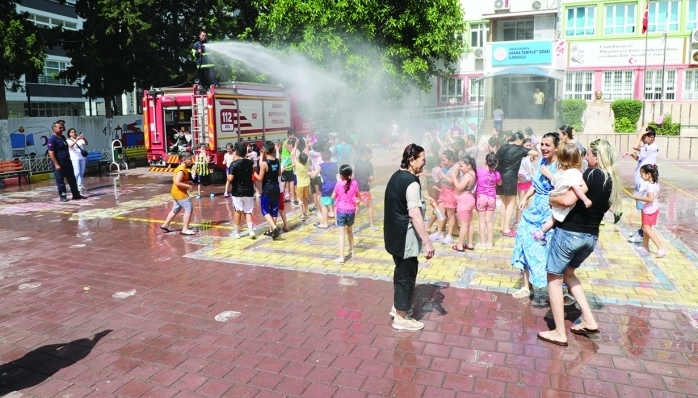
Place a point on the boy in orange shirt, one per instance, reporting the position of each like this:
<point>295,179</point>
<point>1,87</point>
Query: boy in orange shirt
<point>180,193</point>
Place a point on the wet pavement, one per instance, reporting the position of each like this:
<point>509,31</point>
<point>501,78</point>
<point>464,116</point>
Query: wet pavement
<point>96,301</point>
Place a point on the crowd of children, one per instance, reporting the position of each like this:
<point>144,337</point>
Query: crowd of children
<point>331,177</point>
<point>315,174</point>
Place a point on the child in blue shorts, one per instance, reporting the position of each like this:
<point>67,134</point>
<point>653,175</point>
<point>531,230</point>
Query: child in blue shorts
<point>328,171</point>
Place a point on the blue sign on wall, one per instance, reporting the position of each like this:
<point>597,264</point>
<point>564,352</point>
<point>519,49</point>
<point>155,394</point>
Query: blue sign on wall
<point>526,53</point>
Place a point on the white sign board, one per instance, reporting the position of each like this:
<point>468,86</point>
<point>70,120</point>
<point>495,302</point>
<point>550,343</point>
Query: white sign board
<point>623,53</point>
<point>277,115</point>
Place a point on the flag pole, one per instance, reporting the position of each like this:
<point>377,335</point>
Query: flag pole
<point>645,22</point>
<point>664,38</point>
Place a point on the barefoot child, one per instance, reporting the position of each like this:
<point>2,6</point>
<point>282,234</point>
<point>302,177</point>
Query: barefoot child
<point>269,175</point>
<point>345,196</point>
<point>180,193</point>
<point>364,176</point>
<point>487,179</point>
<point>569,176</point>
<point>650,210</point>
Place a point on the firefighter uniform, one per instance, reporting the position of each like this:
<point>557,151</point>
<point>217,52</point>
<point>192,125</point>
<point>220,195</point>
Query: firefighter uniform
<point>207,74</point>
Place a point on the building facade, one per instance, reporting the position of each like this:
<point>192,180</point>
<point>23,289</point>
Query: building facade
<point>574,48</point>
<point>44,94</point>
<point>513,50</point>
<point>609,52</point>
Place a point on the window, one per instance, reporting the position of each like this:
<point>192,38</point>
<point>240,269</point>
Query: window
<point>451,90</point>
<point>617,84</point>
<point>690,85</point>
<point>579,85</point>
<point>581,21</point>
<point>50,109</point>
<point>50,22</point>
<point>478,34</point>
<point>477,91</point>
<point>663,15</point>
<point>51,71</point>
<point>692,15</point>
<point>518,30</point>
<point>654,84</point>
<point>620,19</point>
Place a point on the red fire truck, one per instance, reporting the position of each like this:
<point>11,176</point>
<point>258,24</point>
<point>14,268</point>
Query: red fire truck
<point>176,119</point>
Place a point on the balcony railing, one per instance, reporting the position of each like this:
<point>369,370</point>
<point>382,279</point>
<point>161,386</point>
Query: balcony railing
<point>43,79</point>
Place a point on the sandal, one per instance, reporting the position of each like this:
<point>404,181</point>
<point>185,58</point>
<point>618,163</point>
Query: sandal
<point>339,260</point>
<point>188,233</point>
<point>455,247</point>
<point>469,247</point>
<point>583,331</point>
<point>523,292</point>
<point>167,230</point>
<point>267,232</point>
<point>510,233</point>
<point>549,340</point>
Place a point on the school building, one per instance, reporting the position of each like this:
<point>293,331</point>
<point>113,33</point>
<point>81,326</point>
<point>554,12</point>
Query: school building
<point>571,49</point>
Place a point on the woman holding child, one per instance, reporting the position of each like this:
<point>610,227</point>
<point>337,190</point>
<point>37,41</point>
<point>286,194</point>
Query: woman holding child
<point>575,237</point>
<point>530,256</point>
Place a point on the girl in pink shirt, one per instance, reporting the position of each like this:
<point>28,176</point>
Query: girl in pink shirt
<point>487,179</point>
<point>344,196</point>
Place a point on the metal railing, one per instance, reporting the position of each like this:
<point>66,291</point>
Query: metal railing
<point>42,163</point>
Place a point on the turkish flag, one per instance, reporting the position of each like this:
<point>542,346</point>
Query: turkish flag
<point>645,18</point>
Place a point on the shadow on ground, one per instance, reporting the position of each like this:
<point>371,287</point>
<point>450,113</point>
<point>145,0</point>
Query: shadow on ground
<point>43,362</point>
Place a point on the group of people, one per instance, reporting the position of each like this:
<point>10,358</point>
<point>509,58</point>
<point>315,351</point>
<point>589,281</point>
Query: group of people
<point>567,189</point>
<point>563,192</point>
<point>313,174</point>
<point>68,160</point>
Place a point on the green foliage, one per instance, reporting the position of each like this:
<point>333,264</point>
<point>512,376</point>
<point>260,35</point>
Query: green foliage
<point>572,111</point>
<point>23,48</point>
<point>629,109</point>
<point>409,41</point>
<point>625,125</point>
<point>667,127</point>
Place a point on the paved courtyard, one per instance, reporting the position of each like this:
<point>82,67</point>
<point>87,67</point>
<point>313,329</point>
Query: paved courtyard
<point>96,301</point>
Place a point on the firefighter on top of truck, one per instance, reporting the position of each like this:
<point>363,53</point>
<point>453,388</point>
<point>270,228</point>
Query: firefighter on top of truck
<point>204,66</point>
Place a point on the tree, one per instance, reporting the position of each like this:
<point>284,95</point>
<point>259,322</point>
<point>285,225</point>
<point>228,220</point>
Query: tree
<point>24,49</point>
<point>411,41</point>
<point>108,52</point>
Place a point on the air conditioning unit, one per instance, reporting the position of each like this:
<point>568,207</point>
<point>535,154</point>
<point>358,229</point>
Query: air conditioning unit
<point>694,38</point>
<point>536,5</point>
<point>501,5</point>
<point>694,58</point>
<point>478,53</point>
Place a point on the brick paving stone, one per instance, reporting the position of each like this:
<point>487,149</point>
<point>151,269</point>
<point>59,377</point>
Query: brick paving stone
<point>304,333</point>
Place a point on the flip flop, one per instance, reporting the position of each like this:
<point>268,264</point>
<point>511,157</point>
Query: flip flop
<point>188,233</point>
<point>317,225</point>
<point>523,292</point>
<point>455,247</point>
<point>547,340</point>
<point>167,230</point>
<point>469,247</point>
<point>583,331</point>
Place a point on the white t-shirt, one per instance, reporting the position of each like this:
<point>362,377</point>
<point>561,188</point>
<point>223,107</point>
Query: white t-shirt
<point>526,170</point>
<point>563,180</point>
<point>498,113</point>
<point>74,150</point>
<point>648,155</point>
<point>653,206</point>
<point>228,159</point>
<point>253,157</point>
<point>414,199</point>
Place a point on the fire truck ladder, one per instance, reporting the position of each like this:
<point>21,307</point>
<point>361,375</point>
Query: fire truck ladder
<point>199,121</point>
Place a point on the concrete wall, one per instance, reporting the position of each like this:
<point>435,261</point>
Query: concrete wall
<point>671,148</point>
<point>98,131</point>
